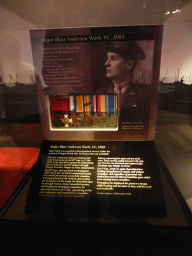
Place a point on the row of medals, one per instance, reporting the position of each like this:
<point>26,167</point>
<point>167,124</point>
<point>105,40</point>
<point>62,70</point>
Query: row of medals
<point>90,121</point>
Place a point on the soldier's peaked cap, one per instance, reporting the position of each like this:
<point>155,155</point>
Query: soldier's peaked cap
<point>129,49</point>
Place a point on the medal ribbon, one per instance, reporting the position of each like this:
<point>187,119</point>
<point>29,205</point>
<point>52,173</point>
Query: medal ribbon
<point>89,100</point>
<point>58,103</point>
<point>112,102</point>
<point>95,103</point>
<point>71,103</point>
<point>92,104</point>
<point>79,102</point>
<point>99,104</point>
<point>65,104</point>
<point>87,103</point>
<point>103,103</point>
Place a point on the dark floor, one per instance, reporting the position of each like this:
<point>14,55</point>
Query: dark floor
<point>174,142</point>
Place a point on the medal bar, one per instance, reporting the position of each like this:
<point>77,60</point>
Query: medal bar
<point>83,111</point>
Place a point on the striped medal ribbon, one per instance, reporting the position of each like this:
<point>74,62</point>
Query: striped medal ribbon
<point>104,103</point>
<point>72,103</point>
<point>79,103</point>
<point>93,103</point>
<point>87,104</point>
<point>112,104</point>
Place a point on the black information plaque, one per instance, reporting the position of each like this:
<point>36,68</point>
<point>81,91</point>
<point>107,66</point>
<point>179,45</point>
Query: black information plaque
<point>122,176</point>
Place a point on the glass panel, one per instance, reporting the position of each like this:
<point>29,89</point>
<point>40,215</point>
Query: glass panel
<point>174,120</point>
<point>19,113</point>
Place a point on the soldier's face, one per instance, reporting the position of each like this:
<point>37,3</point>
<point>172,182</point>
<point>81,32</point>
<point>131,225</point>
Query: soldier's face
<point>115,65</point>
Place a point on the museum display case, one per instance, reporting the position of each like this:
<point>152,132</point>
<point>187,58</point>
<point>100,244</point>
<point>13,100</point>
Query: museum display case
<point>67,152</point>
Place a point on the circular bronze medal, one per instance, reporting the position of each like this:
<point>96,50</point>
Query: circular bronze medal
<point>89,121</point>
<point>82,122</point>
<point>96,121</point>
<point>112,121</point>
<point>104,121</point>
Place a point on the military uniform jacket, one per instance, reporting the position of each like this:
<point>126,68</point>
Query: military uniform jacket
<point>134,103</point>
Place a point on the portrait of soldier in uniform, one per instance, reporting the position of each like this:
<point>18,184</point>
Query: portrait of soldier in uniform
<point>133,98</point>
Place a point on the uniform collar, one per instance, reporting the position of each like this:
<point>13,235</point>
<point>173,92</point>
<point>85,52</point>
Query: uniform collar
<point>122,86</point>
